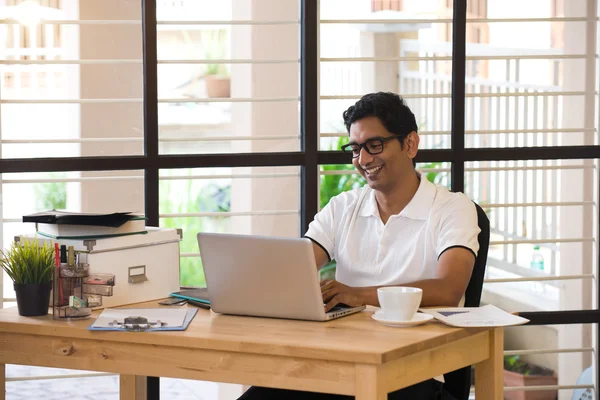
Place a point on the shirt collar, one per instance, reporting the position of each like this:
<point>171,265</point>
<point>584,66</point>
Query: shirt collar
<point>369,207</point>
<point>418,207</point>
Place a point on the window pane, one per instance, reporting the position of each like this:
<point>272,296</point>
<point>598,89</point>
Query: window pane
<point>339,178</point>
<point>94,192</point>
<point>336,179</point>
<point>91,105</point>
<point>208,104</point>
<point>201,128</point>
<point>541,216</point>
<point>564,368</point>
<point>258,201</point>
<point>420,68</point>
<point>526,81</point>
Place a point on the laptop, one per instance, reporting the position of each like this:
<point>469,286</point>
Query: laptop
<point>264,277</point>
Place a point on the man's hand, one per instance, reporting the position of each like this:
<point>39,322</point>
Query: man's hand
<point>335,293</point>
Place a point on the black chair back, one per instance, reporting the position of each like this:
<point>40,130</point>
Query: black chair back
<point>458,383</point>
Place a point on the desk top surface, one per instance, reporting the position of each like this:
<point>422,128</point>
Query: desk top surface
<point>354,338</point>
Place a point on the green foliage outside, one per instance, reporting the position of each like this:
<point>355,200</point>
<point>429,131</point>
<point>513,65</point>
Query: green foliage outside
<point>184,196</point>
<point>432,176</point>
<point>52,195</point>
<point>516,364</point>
<point>332,185</point>
<point>214,43</point>
<point>27,263</point>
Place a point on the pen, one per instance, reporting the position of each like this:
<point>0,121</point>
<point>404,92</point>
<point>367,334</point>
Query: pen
<point>199,304</point>
<point>56,254</point>
<point>64,301</point>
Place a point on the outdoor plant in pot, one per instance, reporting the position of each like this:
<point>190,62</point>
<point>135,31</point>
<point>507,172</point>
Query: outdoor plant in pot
<point>218,83</point>
<point>31,268</point>
<point>216,75</point>
<point>521,373</point>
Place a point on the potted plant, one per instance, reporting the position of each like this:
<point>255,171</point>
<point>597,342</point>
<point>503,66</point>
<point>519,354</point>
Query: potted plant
<point>218,83</point>
<point>521,373</point>
<point>31,268</point>
<point>216,76</point>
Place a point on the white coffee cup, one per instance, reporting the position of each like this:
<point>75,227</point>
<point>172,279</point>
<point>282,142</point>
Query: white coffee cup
<point>398,302</point>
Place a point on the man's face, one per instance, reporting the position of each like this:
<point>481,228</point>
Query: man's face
<point>385,170</point>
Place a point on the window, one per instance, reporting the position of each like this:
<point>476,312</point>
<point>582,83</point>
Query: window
<point>260,201</point>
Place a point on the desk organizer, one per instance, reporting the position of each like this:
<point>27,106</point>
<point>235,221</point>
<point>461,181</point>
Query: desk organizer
<point>68,298</point>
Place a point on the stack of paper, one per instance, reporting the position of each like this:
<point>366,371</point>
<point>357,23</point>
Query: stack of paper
<point>470,317</point>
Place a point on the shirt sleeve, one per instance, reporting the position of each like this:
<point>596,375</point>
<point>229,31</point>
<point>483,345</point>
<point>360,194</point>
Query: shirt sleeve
<point>322,229</point>
<point>458,226</point>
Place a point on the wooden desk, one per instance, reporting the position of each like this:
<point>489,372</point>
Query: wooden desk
<point>353,355</point>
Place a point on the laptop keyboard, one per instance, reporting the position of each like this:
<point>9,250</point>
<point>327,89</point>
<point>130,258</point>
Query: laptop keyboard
<point>339,308</point>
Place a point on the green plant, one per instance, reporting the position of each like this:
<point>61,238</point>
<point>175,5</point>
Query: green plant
<point>27,263</point>
<point>182,196</point>
<point>431,176</point>
<point>215,69</point>
<point>51,195</point>
<point>332,185</point>
<point>214,43</point>
<point>516,364</point>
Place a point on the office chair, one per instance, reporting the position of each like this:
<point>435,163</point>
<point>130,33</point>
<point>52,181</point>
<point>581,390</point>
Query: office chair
<point>458,383</point>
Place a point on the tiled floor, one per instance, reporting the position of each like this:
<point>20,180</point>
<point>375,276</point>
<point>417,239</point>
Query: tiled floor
<point>103,387</point>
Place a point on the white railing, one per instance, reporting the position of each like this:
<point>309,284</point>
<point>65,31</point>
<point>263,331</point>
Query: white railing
<point>21,81</point>
<point>534,111</point>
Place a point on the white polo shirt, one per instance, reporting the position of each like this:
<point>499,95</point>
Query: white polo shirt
<point>406,248</point>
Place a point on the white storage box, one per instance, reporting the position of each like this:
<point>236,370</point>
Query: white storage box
<point>145,267</point>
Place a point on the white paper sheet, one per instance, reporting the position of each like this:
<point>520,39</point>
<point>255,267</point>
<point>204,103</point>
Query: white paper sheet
<point>171,316</point>
<point>470,317</point>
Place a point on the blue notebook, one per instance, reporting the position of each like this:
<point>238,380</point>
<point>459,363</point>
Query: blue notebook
<point>199,295</point>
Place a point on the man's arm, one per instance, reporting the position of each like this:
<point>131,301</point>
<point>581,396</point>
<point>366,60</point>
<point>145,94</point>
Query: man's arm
<point>321,257</point>
<point>454,270</point>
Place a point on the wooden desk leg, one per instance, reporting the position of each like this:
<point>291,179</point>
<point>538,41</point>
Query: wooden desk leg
<point>2,381</point>
<point>489,379</point>
<point>132,387</point>
<point>369,384</point>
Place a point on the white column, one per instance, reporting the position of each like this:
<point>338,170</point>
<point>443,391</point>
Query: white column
<point>266,118</point>
<point>241,113</point>
<point>577,258</point>
<point>70,44</point>
<point>379,76</point>
<point>113,120</point>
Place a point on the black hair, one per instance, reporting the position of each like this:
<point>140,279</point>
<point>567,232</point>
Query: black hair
<point>390,108</point>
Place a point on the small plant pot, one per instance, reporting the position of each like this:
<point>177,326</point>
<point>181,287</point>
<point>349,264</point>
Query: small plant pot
<point>218,87</point>
<point>33,299</point>
<point>516,379</point>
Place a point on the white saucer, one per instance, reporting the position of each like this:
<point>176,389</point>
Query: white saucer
<point>418,319</point>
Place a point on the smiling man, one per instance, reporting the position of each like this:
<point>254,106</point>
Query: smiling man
<point>398,230</point>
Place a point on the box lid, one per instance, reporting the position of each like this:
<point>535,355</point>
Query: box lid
<point>155,236</point>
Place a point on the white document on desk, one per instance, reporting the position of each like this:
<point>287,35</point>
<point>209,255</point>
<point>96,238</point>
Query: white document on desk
<point>171,316</point>
<point>470,317</point>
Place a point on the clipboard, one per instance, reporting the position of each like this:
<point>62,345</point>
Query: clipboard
<point>137,322</point>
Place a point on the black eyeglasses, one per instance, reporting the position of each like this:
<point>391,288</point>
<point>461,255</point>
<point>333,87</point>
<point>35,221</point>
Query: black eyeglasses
<point>372,146</point>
